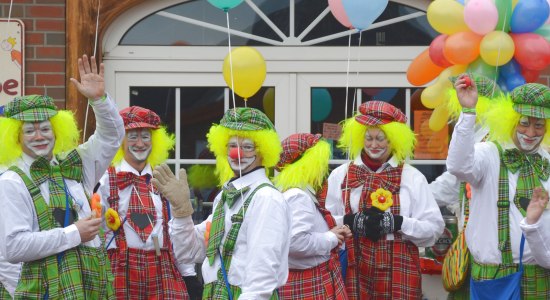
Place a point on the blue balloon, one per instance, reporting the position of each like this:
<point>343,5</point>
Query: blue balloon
<point>509,69</point>
<point>321,104</point>
<point>385,95</point>
<point>460,1</point>
<point>514,81</point>
<point>502,84</point>
<point>529,15</point>
<point>225,5</point>
<point>362,13</point>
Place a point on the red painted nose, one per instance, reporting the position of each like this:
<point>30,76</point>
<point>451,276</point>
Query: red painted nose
<point>235,153</point>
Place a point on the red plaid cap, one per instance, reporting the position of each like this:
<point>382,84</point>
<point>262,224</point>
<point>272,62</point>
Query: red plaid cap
<point>374,113</point>
<point>294,146</point>
<point>139,117</point>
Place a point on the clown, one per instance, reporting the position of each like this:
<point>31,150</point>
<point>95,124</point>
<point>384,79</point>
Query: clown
<point>46,222</point>
<point>143,240</point>
<point>383,261</point>
<point>313,259</point>
<point>246,253</point>
<point>503,174</point>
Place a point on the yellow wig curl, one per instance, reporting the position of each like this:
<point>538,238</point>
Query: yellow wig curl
<point>161,144</point>
<point>502,120</point>
<point>400,136</point>
<point>202,176</point>
<point>267,144</point>
<point>311,169</point>
<point>64,128</point>
<point>482,107</point>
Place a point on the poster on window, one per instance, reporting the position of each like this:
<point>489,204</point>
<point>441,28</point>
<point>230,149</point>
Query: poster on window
<point>429,144</point>
<point>12,47</point>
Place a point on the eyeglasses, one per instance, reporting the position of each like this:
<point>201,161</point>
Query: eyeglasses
<point>245,147</point>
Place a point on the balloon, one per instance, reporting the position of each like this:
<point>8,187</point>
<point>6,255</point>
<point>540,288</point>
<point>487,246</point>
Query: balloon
<point>510,69</point>
<point>504,8</point>
<point>436,94</point>
<point>268,102</point>
<point>249,71</point>
<point>321,104</point>
<point>386,94</point>
<point>496,48</point>
<point>544,31</point>
<point>457,69</point>
<point>225,5</point>
<point>514,81</point>
<point>530,75</point>
<point>361,13</point>
<point>529,15</point>
<point>532,50</point>
<point>422,70</point>
<point>481,16</point>
<point>446,16</point>
<point>462,48</point>
<point>436,51</point>
<point>337,9</point>
<point>480,67</point>
<point>439,118</point>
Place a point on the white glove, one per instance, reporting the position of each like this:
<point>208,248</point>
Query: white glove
<point>175,190</point>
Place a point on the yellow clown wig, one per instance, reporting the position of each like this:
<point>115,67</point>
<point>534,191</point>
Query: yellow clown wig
<point>161,144</point>
<point>400,136</point>
<point>304,162</point>
<point>64,127</point>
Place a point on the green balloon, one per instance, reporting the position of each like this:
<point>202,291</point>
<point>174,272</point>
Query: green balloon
<point>225,5</point>
<point>321,104</point>
<point>544,31</point>
<point>480,67</point>
<point>504,8</point>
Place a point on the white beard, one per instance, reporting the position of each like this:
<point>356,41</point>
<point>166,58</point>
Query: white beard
<point>245,163</point>
<point>46,152</point>
<point>376,155</point>
<point>140,156</point>
<point>525,145</point>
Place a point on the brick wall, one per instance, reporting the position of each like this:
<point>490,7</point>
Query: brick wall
<point>44,45</point>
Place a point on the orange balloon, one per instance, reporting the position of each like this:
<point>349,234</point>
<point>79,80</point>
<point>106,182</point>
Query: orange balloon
<point>422,69</point>
<point>462,48</point>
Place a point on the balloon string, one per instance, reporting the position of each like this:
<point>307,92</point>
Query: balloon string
<point>347,77</point>
<point>499,49</point>
<point>9,11</point>
<point>95,47</point>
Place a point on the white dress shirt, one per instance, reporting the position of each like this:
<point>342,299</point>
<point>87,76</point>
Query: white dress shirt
<point>422,220</point>
<point>479,165</point>
<point>20,237</point>
<point>310,241</point>
<point>260,259</point>
<point>537,236</point>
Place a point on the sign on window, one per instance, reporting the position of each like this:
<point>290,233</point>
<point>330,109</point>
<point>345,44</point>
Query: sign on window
<point>12,66</point>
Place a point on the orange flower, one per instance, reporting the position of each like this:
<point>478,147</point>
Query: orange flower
<point>381,199</point>
<point>112,219</point>
<point>468,191</point>
<point>207,233</point>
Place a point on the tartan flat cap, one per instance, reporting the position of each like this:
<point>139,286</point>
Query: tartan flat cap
<point>294,147</point>
<point>246,119</point>
<point>31,108</point>
<point>485,85</point>
<point>374,113</point>
<point>532,99</point>
<point>139,117</point>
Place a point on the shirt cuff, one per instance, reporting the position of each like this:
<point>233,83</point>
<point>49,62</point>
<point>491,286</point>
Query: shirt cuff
<point>529,227</point>
<point>466,121</point>
<point>98,102</point>
<point>183,222</point>
<point>72,235</point>
<point>332,239</point>
<point>187,269</point>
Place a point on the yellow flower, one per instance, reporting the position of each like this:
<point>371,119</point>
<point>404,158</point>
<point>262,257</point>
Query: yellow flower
<point>381,199</point>
<point>112,219</point>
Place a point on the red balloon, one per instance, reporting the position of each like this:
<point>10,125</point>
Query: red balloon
<point>530,75</point>
<point>422,69</point>
<point>532,51</point>
<point>436,51</point>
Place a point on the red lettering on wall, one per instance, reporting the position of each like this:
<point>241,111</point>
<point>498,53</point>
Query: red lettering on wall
<point>9,86</point>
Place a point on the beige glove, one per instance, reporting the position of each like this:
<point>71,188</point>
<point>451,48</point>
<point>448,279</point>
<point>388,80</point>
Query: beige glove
<point>176,191</point>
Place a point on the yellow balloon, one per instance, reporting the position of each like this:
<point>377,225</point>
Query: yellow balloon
<point>436,95</point>
<point>497,48</point>
<point>439,118</point>
<point>268,102</point>
<point>248,68</point>
<point>447,16</point>
<point>457,70</point>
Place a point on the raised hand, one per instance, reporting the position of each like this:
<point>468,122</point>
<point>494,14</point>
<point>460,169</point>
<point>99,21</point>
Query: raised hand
<point>466,91</point>
<point>92,84</point>
<point>538,203</point>
<point>175,190</point>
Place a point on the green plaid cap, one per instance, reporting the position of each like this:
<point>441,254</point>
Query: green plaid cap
<point>246,119</point>
<point>532,99</point>
<point>31,108</point>
<point>485,86</point>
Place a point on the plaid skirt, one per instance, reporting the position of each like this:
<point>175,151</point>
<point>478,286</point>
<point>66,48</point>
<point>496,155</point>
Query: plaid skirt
<point>384,270</point>
<point>318,283</point>
<point>4,295</point>
<point>141,274</point>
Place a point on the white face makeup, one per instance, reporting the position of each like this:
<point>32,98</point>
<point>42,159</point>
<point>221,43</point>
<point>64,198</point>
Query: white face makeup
<point>37,139</point>
<point>528,143</point>
<point>529,133</point>
<point>376,144</point>
<point>248,160</point>
<point>138,143</point>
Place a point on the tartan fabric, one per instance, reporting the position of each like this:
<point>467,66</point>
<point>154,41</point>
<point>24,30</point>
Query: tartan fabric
<point>229,195</point>
<point>217,291</point>
<point>139,117</point>
<point>81,272</point>
<point>485,86</point>
<point>141,203</point>
<point>532,99</point>
<point>386,269</point>
<point>374,113</point>
<point>535,282</point>
<point>4,294</point>
<point>322,194</point>
<point>246,119</point>
<point>140,274</point>
<point>294,147</point>
<point>30,108</point>
<point>71,168</point>
<point>318,283</point>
